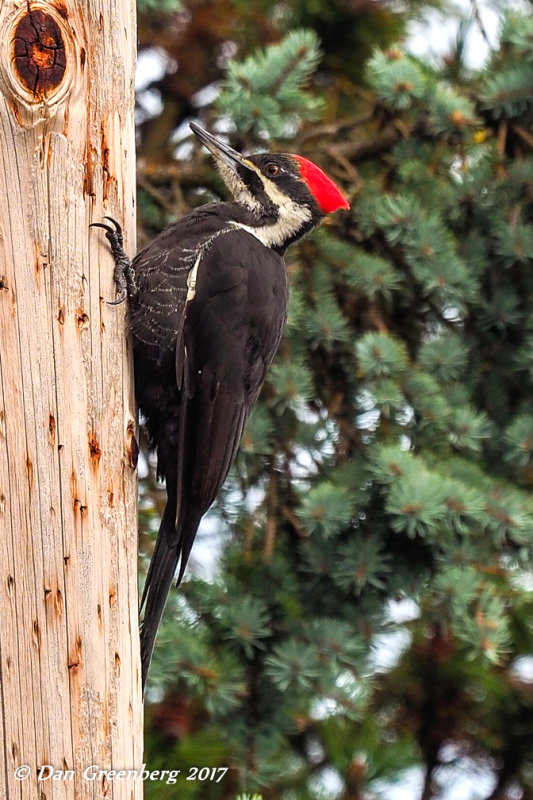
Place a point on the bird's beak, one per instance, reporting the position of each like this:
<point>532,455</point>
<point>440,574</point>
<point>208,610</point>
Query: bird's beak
<point>221,151</point>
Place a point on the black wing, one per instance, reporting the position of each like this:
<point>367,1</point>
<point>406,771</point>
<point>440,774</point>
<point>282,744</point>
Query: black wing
<point>232,329</point>
<point>225,341</point>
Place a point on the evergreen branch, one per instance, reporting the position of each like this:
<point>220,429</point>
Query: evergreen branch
<point>503,129</point>
<point>525,135</point>
<point>334,129</point>
<point>291,517</point>
<point>479,21</point>
<point>267,90</point>
<point>370,147</point>
<point>351,173</point>
<point>271,527</point>
<point>429,789</point>
<point>288,71</point>
<point>159,196</point>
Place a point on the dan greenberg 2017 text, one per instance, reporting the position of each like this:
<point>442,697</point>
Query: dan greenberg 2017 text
<point>47,772</point>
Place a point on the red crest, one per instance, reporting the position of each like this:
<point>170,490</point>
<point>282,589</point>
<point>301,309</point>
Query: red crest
<point>327,194</point>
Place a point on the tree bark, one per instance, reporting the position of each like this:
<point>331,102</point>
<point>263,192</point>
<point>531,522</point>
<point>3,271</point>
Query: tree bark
<point>69,654</point>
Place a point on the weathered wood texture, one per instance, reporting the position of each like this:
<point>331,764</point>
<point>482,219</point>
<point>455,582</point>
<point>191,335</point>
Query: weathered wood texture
<point>69,665</point>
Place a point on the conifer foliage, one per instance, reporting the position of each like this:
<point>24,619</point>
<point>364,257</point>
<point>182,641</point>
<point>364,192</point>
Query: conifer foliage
<point>370,618</point>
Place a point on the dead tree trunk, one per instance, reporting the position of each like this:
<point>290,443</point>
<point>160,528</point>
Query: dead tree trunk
<point>69,662</point>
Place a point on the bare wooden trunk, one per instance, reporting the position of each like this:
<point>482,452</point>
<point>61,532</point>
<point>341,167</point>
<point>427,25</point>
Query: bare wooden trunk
<point>69,662</point>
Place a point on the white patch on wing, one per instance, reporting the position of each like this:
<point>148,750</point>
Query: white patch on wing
<point>198,254</point>
<point>191,277</point>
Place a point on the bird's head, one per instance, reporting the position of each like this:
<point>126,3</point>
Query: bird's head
<point>286,195</point>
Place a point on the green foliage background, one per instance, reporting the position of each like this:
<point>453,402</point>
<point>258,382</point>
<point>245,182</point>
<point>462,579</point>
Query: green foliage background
<point>371,615</point>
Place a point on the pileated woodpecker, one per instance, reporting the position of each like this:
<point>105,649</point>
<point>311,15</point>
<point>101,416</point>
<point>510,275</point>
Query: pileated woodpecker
<point>207,309</point>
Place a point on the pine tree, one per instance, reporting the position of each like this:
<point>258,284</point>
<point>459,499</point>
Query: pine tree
<point>371,613</point>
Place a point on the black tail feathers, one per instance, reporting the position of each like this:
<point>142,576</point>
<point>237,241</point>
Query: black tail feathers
<point>157,586</point>
<point>172,546</point>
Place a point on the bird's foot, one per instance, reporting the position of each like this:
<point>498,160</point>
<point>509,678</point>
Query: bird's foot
<point>123,274</point>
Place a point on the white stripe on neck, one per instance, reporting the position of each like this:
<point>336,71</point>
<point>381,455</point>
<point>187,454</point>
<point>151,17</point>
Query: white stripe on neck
<point>292,217</point>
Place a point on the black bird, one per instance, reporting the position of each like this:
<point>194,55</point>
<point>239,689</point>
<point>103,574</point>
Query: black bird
<point>207,309</point>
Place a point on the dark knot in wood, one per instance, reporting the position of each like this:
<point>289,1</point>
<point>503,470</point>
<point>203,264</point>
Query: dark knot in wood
<point>39,53</point>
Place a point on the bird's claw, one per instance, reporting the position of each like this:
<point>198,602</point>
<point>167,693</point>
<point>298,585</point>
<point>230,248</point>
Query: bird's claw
<point>120,299</point>
<point>113,234</point>
<point>123,274</point>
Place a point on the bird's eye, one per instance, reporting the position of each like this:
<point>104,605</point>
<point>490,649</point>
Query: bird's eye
<point>271,169</point>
